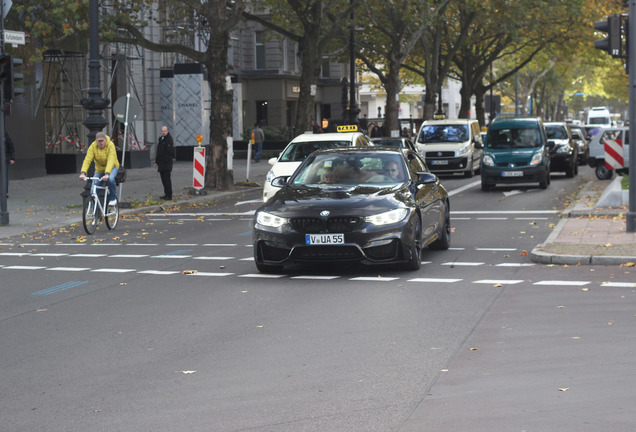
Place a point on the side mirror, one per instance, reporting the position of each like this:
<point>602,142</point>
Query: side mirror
<point>280,181</point>
<point>479,144</point>
<point>551,146</point>
<point>426,177</point>
<point>273,160</point>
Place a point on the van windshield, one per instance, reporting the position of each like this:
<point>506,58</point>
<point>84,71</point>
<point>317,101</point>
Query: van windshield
<point>599,120</point>
<point>513,138</point>
<point>443,133</point>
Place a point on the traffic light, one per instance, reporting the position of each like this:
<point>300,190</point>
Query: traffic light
<point>10,76</point>
<point>613,43</point>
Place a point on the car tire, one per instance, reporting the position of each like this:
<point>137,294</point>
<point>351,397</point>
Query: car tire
<point>602,173</point>
<point>415,260</point>
<point>471,170</point>
<point>268,269</point>
<point>444,241</point>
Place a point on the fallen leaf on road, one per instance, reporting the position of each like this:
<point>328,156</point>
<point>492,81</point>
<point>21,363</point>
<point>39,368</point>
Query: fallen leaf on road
<point>607,245</point>
<point>187,372</point>
<point>187,272</point>
<point>524,253</point>
<point>564,388</point>
<point>629,264</point>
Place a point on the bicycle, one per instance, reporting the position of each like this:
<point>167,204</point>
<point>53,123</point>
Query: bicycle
<point>94,205</point>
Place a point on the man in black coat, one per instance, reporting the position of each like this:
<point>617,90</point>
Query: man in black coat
<point>163,161</point>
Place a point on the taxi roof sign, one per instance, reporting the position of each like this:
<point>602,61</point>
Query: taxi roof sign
<point>347,128</point>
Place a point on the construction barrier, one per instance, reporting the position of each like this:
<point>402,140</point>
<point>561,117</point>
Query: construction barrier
<point>198,177</point>
<point>614,154</point>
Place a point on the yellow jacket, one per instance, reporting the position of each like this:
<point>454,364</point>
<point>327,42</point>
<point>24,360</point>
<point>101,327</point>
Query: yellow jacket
<point>105,159</point>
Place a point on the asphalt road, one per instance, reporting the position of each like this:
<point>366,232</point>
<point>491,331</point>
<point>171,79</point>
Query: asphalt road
<point>110,333</point>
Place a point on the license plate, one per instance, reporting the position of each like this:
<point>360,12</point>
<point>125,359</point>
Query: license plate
<point>323,239</point>
<point>439,162</point>
<point>512,174</point>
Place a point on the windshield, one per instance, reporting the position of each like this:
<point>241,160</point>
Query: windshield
<point>599,120</point>
<point>556,132</point>
<point>513,138</point>
<point>443,133</point>
<point>329,170</point>
<point>298,151</point>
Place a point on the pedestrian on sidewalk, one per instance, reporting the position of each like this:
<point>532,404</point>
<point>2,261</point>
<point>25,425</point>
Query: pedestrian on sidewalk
<point>259,137</point>
<point>163,161</point>
<point>10,153</point>
<point>102,151</point>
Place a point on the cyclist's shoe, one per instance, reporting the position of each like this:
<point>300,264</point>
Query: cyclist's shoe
<point>112,202</point>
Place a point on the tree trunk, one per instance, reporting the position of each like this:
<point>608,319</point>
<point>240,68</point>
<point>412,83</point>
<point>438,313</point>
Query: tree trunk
<point>217,175</point>
<point>392,110</point>
<point>311,68</point>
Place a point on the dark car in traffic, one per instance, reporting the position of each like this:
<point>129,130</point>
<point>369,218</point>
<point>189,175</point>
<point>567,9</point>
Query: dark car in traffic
<point>370,205</point>
<point>565,154</point>
<point>405,142</point>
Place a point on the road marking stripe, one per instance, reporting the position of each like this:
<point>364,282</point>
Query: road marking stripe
<point>17,267</point>
<point>496,249</point>
<point>220,244</point>
<point>459,263</point>
<point>88,255</point>
<point>514,265</point>
<point>59,288</point>
<point>113,270</point>
<point>49,254</point>
<point>14,253</point>
<point>561,282</point>
<point>209,274</point>
<point>126,256</point>
<point>159,272</point>
<point>260,275</point>
<point>619,284</point>
<point>434,280</point>
<point>374,279</point>
<point>76,269</point>
<point>315,277</point>
<point>213,258</point>
<point>498,281</point>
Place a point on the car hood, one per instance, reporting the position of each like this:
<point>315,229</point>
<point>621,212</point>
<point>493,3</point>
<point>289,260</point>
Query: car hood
<point>507,155</point>
<point>441,146</point>
<point>340,201</point>
<point>282,169</point>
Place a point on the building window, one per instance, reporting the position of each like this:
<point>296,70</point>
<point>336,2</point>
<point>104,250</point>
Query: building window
<point>285,49</point>
<point>261,112</point>
<point>259,50</point>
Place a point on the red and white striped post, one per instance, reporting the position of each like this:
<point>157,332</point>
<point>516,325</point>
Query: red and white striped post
<point>614,154</point>
<point>198,169</point>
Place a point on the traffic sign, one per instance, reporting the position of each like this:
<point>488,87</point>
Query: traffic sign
<point>14,37</point>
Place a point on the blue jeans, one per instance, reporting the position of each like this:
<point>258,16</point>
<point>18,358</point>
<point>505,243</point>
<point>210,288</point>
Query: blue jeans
<point>258,151</point>
<point>112,187</point>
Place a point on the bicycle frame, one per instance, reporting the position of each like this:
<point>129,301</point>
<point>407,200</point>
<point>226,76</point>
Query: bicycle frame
<point>95,208</point>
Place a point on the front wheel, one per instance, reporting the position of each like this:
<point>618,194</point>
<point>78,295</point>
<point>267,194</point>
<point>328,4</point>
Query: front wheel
<point>415,260</point>
<point>90,219</point>
<point>112,215</point>
<point>444,240</point>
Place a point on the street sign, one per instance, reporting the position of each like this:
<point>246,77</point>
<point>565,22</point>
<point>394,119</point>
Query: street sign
<point>6,7</point>
<point>14,37</point>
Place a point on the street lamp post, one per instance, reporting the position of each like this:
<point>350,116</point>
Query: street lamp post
<point>94,103</point>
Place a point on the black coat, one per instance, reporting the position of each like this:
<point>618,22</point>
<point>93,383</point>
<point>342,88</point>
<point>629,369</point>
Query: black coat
<point>165,153</point>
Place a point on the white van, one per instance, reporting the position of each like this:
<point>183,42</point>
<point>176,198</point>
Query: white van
<point>599,116</point>
<point>451,146</point>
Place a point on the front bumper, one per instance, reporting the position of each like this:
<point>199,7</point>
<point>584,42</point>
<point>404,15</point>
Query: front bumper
<point>494,175</point>
<point>368,244</point>
<point>447,164</point>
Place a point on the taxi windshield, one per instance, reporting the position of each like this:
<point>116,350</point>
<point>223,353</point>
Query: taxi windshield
<point>443,133</point>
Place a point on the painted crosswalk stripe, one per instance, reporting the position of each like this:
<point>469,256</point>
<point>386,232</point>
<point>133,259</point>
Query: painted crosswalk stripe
<point>158,272</point>
<point>70,269</point>
<point>374,279</point>
<point>223,258</point>
<point>499,281</point>
<point>434,280</point>
<point>88,255</point>
<point>619,284</point>
<point>106,244</point>
<point>562,283</point>
<point>172,256</point>
<point>459,263</point>
<point>315,277</point>
<point>14,254</point>
<point>17,267</point>
<point>49,254</point>
<point>220,244</point>
<point>142,244</point>
<point>514,265</point>
<point>127,256</point>
<point>209,274</point>
<point>181,244</point>
<point>113,270</point>
<point>262,276</point>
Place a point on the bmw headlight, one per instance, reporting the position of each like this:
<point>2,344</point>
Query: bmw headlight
<point>270,176</point>
<point>389,217</point>
<point>270,220</point>
<point>536,158</point>
<point>488,160</point>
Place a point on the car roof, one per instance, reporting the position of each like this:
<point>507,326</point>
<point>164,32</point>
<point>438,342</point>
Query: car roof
<point>449,121</point>
<point>363,150</point>
<point>515,122</point>
<point>330,136</point>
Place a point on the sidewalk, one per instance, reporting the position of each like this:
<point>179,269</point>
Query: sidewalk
<point>53,201</point>
<point>592,229</point>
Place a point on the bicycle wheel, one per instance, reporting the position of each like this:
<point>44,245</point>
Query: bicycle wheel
<point>112,215</point>
<point>89,215</point>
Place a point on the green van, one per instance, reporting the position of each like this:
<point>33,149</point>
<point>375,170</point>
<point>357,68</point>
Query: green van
<point>517,151</point>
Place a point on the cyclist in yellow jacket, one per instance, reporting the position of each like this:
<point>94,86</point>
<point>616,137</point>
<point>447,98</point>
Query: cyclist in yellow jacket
<point>104,153</point>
